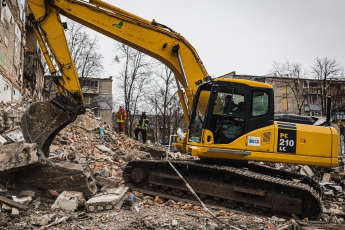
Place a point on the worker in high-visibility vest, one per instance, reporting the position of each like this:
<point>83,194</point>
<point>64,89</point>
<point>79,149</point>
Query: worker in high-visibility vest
<point>121,119</point>
<point>142,127</point>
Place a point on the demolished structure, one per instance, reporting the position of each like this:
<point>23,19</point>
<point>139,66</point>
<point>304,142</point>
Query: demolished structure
<point>84,175</point>
<point>21,60</point>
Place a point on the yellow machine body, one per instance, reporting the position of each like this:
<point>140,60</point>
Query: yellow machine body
<point>283,142</point>
<point>312,145</point>
<point>308,151</point>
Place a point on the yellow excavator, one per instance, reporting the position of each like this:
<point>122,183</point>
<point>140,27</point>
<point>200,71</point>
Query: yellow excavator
<point>230,121</point>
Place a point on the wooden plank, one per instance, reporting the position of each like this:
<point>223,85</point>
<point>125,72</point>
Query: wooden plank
<point>13,204</point>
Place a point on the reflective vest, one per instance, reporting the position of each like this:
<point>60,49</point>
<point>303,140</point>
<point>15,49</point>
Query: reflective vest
<point>143,122</point>
<point>121,116</point>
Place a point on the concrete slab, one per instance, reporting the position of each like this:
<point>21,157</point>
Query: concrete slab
<point>15,156</point>
<point>69,200</point>
<point>106,201</point>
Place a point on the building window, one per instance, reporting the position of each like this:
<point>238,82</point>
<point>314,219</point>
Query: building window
<point>88,100</point>
<point>285,104</point>
<point>284,89</point>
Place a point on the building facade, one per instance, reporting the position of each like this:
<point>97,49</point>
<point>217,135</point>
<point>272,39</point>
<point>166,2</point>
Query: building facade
<point>98,96</point>
<point>301,96</point>
<point>21,62</point>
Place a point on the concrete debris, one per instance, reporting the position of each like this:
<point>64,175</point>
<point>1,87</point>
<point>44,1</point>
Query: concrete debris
<point>338,189</point>
<point>15,156</point>
<point>326,177</point>
<point>15,135</point>
<point>45,219</point>
<point>106,182</point>
<point>69,200</point>
<point>2,140</point>
<point>103,148</point>
<point>12,203</point>
<point>174,223</point>
<point>87,122</point>
<point>57,176</point>
<point>106,201</point>
<point>306,171</point>
<point>22,200</point>
<point>81,165</point>
<point>15,212</point>
<point>6,207</point>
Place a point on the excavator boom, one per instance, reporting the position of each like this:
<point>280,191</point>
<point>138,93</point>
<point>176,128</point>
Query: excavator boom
<point>42,121</point>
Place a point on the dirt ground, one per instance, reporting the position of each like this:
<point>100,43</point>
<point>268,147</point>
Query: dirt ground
<point>140,216</point>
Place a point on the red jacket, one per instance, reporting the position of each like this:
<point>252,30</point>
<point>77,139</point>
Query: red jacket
<point>121,116</point>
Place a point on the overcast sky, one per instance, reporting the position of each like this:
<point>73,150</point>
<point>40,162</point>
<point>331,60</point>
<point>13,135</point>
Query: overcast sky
<point>245,36</point>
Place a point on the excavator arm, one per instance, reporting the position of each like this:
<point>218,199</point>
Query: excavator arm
<point>43,120</point>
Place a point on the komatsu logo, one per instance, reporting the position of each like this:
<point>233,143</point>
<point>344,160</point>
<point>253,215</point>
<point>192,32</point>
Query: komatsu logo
<point>119,25</point>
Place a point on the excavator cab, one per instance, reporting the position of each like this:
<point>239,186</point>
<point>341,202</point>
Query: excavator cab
<point>235,107</point>
<point>237,123</point>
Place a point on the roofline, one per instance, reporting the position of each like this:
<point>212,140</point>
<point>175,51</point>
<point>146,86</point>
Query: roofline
<point>285,78</point>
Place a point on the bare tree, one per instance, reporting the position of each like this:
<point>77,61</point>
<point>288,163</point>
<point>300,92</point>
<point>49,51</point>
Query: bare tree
<point>290,75</point>
<point>166,104</point>
<point>84,51</point>
<point>134,80</point>
<point>326,70</point>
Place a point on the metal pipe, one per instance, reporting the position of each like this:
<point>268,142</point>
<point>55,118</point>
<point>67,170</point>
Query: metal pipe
<point>45,52</point>
<point>184,104</point>
<point>175,50</point>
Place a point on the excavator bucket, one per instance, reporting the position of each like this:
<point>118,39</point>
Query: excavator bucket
<point>42,121</point>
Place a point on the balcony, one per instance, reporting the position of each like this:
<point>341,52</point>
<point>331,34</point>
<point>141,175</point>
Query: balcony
<point>90,86</point>
<point>312,90</point>
<point>90,89</point>
<point>312,107</point>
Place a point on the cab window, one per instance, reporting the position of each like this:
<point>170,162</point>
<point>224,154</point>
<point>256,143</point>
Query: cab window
<point>260,101</point>
<point>228,117</point>
<point>198,116</point>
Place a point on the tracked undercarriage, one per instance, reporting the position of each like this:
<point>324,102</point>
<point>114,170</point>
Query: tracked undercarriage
<point>259,188</point>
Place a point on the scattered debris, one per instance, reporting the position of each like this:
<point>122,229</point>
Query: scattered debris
<point>69,200</point>
<point>13,203</point>
<point>15,156</point>
<point>81,165</point>
<point>103,202</point>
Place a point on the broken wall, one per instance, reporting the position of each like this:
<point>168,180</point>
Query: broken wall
<point>33,82</point>
<point>15,80</point>
<point>11,49</point>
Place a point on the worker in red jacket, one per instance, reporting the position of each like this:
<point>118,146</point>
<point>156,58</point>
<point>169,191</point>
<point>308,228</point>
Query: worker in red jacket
<point>121,119</point>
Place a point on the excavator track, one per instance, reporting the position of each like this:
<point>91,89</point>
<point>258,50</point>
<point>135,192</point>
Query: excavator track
<point>250,187</point>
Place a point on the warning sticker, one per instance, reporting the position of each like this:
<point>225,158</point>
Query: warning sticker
<point>286,141</point>
<point>254,141</point>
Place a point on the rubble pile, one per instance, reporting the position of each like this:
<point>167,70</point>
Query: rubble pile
<point>90,142</point>
<point>80,185</point>
<point>332,181</point>
<point>14,153</point>
<point>10,116</point>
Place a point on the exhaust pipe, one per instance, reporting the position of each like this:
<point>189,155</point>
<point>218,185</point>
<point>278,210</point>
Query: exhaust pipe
<point>329,107</point>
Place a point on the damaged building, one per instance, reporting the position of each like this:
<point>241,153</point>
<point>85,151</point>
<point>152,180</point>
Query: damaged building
<point>21,63</point>
<point>97,95</point>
